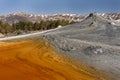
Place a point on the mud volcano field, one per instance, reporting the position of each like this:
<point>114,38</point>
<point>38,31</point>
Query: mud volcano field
<point>88,50</point>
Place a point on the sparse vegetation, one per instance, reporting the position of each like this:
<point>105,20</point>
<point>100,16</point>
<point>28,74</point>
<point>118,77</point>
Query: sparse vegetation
<point>25,27</point>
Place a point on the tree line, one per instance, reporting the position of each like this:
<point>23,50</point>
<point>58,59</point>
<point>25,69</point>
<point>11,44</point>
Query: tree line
<point>25,27</point>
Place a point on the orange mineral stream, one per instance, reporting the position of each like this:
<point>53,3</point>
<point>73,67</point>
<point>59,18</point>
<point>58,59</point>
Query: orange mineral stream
<point>37,60</point>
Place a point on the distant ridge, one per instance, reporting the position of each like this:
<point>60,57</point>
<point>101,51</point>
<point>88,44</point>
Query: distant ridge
<point>25,17</point>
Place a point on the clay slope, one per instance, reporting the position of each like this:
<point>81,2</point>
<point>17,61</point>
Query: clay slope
<point>94,41</point>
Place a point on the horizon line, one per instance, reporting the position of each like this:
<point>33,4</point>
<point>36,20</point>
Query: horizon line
<point>53,13</point>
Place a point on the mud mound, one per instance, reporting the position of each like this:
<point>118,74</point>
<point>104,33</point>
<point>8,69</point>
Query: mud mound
<point>93,41</point>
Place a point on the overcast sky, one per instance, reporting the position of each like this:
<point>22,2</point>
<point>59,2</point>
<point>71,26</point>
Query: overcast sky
<point>59,6</point>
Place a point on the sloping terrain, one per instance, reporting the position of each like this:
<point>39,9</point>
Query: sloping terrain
<point>88,50</point>
<point>94,41</point>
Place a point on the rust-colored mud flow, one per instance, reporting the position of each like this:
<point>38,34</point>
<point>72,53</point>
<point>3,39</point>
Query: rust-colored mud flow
<point>36,60</point>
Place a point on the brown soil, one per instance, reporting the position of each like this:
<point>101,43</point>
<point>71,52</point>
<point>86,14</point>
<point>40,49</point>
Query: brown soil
<point>37,60</point>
